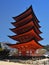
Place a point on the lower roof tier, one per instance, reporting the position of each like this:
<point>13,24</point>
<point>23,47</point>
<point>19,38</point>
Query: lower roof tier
<point>26,36</point>
<point>24,21</point>
<point>26,28</point>
<point>27,46</point>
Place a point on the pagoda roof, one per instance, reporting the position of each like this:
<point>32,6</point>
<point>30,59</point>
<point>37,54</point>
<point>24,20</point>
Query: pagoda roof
<point>32,44</point>
<point>26,13</point>
<point>25,28</point>
<point>26,36</point>
<point>25,20</point>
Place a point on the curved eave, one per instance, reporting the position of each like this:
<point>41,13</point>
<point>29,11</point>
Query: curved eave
<point>37,24</point>
<point>25,21</point>
<point>21,32</point>
<point>14,23</point>
<point>33,43</point>
<point>35,18</point>
<point>26,42</point>
<point>17,31</point>
<point>26,27</point>
<point>22,15</point>
<point>25,13</point>
<point>23,36</point>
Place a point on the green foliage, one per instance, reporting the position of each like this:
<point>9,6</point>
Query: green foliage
<point>4,54</point>
<point>0,47</point>
<point>0,44</point>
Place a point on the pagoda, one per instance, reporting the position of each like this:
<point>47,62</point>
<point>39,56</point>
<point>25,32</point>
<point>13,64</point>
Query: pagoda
<point>27,33</point>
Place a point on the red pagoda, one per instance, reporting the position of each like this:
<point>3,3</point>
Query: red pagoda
<point>27,33</point>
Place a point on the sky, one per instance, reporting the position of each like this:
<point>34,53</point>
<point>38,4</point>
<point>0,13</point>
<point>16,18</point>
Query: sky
<point>12,8</point>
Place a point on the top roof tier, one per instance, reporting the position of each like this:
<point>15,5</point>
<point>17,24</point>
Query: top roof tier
<point>25,14</point>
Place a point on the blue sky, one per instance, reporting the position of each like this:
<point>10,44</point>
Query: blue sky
<point>11,8</point>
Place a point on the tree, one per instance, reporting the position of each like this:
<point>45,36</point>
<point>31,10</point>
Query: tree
<point>4,54</point>
<point>0,47</point>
